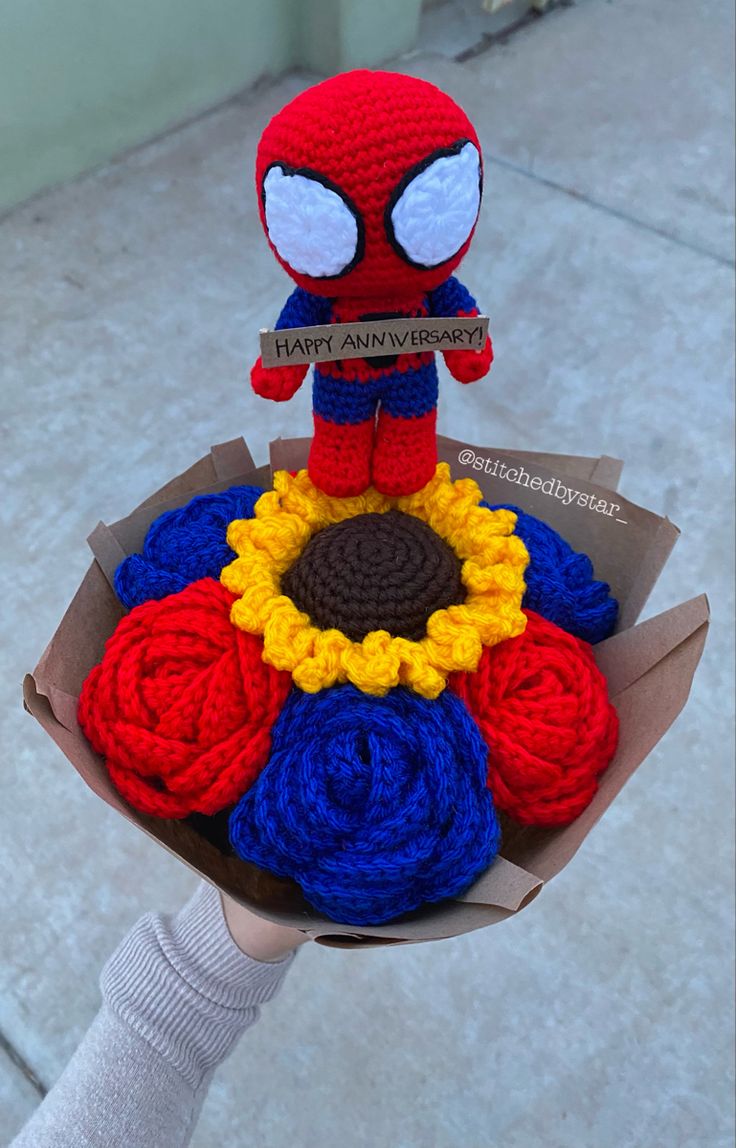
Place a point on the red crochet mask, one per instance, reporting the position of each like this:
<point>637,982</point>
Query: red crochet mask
<point>369,186</point>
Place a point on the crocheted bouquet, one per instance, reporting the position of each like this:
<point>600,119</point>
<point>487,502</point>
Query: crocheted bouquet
<point>365,665</point>
<point>363,682</point>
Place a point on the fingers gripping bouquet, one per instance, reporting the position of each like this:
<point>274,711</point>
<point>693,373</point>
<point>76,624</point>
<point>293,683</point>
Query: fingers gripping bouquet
<point>370,673</point>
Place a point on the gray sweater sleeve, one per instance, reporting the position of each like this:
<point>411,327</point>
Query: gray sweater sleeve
<point>177,995</point>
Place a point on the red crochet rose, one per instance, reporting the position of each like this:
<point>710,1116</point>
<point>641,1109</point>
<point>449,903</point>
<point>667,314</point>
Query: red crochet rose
<point>182,704</point>
<point>542,706</point>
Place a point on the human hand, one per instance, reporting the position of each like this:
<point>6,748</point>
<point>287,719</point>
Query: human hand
<point>277,383</point>
<point>257,938</point>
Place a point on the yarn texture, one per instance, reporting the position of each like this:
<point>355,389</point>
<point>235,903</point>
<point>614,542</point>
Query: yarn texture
<point>355,678</point>
<point>437,206</point>
<point>493,562</point>
<point>184,545</point>
<point>542,706</point>
<point>560,583</point>
<point>369,187</point>
<point>182,704</point>
<point>375,572</point>
<point>374,805</point>
<point>360,141</point>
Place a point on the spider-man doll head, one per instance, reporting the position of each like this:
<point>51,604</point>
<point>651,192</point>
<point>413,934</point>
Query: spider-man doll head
<point>369,186</point>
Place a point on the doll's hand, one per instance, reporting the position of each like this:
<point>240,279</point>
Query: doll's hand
<point>277,383</point>
<point>469,366</point>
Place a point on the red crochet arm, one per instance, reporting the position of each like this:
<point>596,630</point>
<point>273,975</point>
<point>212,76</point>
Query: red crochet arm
<point>453,298</point>
<point>469,366</point>
<point>277,383</point>
<point>281,383</point>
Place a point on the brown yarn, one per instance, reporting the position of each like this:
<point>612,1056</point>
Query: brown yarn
<point>375,572</point>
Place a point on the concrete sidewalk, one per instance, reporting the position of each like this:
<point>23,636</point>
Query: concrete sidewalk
<point>599,1018</point>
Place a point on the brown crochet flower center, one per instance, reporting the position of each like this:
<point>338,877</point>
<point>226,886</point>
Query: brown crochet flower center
<point>375,572</point>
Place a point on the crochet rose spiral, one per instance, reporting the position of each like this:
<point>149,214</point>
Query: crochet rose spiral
<point>542,706</point>
<point>183,545</point>
<point>182,704</point>
<point>560,584</point>
<point>375,805</point>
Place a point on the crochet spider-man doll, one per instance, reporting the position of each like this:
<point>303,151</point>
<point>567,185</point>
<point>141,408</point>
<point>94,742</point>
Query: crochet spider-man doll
<point>369,187</point>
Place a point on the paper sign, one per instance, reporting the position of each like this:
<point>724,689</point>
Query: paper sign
<point>381,339</point>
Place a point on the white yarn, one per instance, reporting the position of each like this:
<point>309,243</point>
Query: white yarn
<point>437,211</point>
<point>311,227</point>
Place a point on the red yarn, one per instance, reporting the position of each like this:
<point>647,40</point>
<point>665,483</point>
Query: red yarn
<point>542,706</point>
<point>277,383</point>
<point>369,186</point>
<point>469,366</point>
<point>340,456</point>
<point>349,310</point>
<point>365,130</point>
<point>182,704</point>
<point>405,452</point>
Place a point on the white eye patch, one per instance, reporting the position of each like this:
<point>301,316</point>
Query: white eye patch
<point>312,225</point>
<point>434,208</point>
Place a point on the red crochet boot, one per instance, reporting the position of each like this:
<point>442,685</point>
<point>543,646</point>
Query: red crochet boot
<point>340,456</point>
<point>405,452</point>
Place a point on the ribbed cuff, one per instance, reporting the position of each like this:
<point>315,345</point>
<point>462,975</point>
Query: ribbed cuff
<point>184,985</point>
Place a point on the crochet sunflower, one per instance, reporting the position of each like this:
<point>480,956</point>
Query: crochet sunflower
<point>375,590</point>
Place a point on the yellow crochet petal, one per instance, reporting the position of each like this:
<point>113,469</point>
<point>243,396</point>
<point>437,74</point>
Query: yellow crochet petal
<point>500,577</point>
<point>325,667</point>
<point>417,669</point>
<point>373,664</point>
<point>260,599</point>
<point>299,496</point>
<point>267,505</point>
<point>493,562</point>
<point>423,678</point>
<point>282,537</point>
<point>288,637</point>
<point>234,576</point>
<point>242,616</point>
<point>452,642</point>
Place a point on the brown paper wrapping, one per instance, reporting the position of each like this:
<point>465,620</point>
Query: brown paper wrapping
<point>649,668</point>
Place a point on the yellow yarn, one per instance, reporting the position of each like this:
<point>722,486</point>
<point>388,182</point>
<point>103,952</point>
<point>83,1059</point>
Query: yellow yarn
<point>493,557</point>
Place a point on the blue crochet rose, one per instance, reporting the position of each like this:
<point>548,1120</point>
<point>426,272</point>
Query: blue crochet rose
<point>375,805</point>
<point>184,545</point>
<point>560,584</point>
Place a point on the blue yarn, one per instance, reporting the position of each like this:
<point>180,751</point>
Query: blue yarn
<point>450,298</point>
<point>404,394</point>
<point>303,309</point>
<point>374,805</point>
<point>560,584</point>
<point>184,545</point>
